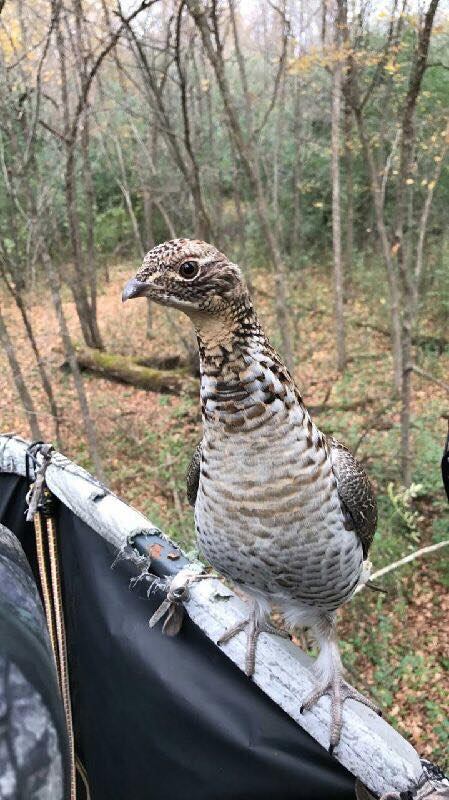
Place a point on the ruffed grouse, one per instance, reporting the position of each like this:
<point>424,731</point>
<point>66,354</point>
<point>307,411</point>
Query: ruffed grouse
<point>283,510</point>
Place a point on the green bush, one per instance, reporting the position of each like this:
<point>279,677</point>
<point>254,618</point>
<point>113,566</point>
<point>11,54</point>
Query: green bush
<point>112,229</point>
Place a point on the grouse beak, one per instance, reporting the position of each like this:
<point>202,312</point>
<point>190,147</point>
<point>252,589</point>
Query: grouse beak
<point>134,288</point>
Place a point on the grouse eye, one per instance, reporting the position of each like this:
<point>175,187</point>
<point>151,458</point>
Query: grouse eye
<point>189,269</point>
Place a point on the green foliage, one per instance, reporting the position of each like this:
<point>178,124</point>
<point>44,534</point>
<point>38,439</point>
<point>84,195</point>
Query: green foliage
<point>401,500</point>
<point>111,229</point>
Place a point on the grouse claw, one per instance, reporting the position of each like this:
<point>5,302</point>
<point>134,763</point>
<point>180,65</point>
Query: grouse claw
<point>339,691</point>
<point>255,626</point>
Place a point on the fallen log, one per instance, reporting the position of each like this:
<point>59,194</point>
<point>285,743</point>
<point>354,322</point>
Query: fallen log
<point>161,361</point>
<point>128,369</point>
<point>168,361</point>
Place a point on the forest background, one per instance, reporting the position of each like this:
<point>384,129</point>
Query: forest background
<point>308,140</point>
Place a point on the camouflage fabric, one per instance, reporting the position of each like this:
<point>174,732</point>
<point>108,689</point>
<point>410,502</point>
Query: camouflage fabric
<point>31,762</point>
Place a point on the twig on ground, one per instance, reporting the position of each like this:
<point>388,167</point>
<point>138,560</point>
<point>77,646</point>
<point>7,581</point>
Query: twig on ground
<point>428,376</point>
<point>421,340</point>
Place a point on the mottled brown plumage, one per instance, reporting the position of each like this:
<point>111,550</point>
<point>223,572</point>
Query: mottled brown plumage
<point>355,492</point>
<point>283,510</point>
<point>193,476</point>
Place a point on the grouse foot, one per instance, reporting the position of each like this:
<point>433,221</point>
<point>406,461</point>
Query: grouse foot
<point>255,626</point>
<point>339,691</point>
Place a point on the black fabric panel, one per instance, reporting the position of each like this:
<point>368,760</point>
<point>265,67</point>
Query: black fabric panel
<point>445,467</point>
<point>159,717</point>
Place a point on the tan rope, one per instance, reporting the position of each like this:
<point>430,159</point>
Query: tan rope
<point>46,591</point>
<point>47,555</point>
<point>85,779</point>
<point>54,612</point>
<point>62,646</point>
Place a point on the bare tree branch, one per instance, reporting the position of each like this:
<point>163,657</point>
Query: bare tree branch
<point>279,73</point>
<point>428,376</point>
<point>402,561</point>
<point>126,21</point>
<point>437,64</point>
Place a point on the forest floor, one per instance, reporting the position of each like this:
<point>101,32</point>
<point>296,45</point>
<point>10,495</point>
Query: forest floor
<point>395,645</point>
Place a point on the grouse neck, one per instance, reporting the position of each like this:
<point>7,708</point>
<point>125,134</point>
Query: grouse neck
<point>229,334</point>
<point>243,380</point>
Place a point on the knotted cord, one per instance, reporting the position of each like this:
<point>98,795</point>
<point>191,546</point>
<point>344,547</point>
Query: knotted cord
<point>41,512</point>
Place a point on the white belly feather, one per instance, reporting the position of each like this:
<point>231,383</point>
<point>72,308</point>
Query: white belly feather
<point>268,514</point>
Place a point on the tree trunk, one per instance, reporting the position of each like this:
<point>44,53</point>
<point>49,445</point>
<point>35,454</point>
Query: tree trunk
<point>349,166</point>
<point>282,315</point>
<point>89,428</point>
<point>167,218</point>
<point>90,213</point>
<point>251,163</point>
<point>411,297</point>
<point>393,285</point>
<point>336,218</point>
<point>124,186</point>
<point>83,55</point>
<point>406,474</point>
<point>240,221</point>
<point>352,96</point>
<point>148,232</point>
<point>188,167</point>
<point>149,244</point>
<point>203,223</point>
<point>78,284</point>
<point>21,387</point>
<point>45,380</point>
<point>407,143</point>
<point>295,241</point>
<point>279,131</point>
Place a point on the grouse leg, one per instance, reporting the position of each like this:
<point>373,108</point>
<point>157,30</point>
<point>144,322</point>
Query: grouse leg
<point>255,624</point>
<point>330,670</point>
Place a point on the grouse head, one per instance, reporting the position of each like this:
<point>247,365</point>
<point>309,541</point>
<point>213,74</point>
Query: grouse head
<point>189,275</point>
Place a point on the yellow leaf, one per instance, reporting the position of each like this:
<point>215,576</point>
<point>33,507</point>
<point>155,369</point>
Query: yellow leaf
<point>431,185</point>
<point>318,204</point>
